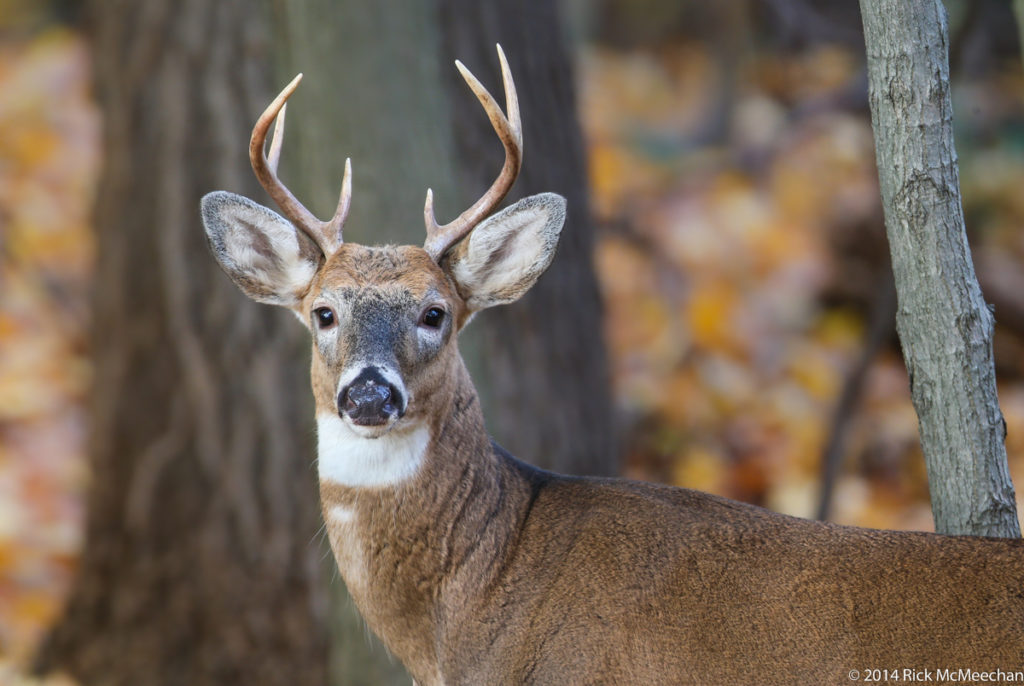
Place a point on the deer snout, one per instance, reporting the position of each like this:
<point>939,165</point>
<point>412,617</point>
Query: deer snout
<point>371,400</point>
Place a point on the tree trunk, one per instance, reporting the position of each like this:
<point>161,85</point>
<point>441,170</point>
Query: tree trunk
<point>380,87</point>
<point>544,358</point>
<point>200,566</point>
<point>1018,15</point>
<point>370,92</point>
<point>944,325</point>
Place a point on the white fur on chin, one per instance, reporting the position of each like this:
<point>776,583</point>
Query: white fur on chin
<point>351,459</point>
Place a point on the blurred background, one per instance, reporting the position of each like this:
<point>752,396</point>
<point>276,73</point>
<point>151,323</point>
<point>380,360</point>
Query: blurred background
<point>737,242</point>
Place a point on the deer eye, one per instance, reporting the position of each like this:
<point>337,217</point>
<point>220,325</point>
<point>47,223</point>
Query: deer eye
<point>432,317</point>
<point>324,317</point>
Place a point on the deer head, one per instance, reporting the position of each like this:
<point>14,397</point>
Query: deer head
<point>383,319</point>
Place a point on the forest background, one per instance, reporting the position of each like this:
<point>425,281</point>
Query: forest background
<point>740,250</point>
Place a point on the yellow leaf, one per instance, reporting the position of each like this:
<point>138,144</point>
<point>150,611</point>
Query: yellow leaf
<point>710,315</point>
<point>700,468</point>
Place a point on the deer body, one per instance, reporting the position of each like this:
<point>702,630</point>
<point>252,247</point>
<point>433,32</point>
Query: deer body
<point>476,568</point>
<point>480,569</point>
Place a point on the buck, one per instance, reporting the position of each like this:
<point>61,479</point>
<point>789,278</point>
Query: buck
<point>476,568</point>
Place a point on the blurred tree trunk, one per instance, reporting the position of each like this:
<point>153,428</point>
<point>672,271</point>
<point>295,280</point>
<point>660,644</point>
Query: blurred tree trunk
<point>370,92</point>
<point>944,324</point>
<point>380,87</point>
<point>200,566</point>
<point>544,359</point>
<point>1018,14</point>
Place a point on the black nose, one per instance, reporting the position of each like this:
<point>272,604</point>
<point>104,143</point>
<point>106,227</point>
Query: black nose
<point>370,400</point>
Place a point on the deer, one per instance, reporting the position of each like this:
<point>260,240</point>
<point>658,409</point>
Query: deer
<point>474,567</point>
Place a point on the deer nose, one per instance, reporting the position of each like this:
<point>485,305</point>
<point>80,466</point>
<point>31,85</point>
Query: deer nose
<point>370,400</point>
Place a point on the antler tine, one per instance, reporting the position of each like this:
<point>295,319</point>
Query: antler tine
<point>333,228</point>
<point>326,235</point>
<point>277,140</point>
<point>509,129</point>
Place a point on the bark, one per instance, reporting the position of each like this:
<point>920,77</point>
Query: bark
<point>944,324</point>
<point>199,564</point>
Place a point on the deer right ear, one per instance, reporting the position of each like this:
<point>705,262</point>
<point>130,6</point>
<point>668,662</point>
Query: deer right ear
<point>259,249</point>
<point>503,256</point>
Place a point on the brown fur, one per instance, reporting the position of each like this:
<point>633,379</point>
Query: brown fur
<point>487,571</point>
<point>482,569</point>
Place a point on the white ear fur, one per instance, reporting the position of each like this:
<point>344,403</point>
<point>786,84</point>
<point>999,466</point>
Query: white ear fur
<point>259,249</point>
<point>506,254</point>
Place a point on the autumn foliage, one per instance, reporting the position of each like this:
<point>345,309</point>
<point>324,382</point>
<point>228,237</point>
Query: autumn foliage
<point>48,167</point>
<point>740,251</point>
<point>739,273</point>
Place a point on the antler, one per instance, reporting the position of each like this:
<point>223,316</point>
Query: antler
<point>327,235</point>
<point>510,130</point>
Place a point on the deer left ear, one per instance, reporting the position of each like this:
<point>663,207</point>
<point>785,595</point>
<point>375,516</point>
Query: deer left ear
<point>505,255</point>
<point>259,249</point>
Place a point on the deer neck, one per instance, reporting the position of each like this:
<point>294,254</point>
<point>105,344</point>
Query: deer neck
<point>425,523</point>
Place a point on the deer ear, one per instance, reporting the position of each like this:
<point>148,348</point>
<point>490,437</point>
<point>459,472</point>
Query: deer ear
<point>506,254</point>
<point>259,249</point>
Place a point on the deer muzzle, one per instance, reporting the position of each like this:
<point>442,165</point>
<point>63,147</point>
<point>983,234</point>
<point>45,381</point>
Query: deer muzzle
<point>371,400</point>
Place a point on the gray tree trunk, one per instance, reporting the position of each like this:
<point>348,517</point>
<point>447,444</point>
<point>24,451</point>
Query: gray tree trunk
<point>944,324</point>
<point>199,567</point>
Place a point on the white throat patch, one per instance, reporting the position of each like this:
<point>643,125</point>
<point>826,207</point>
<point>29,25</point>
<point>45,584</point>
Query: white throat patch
<point>351,460</point>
